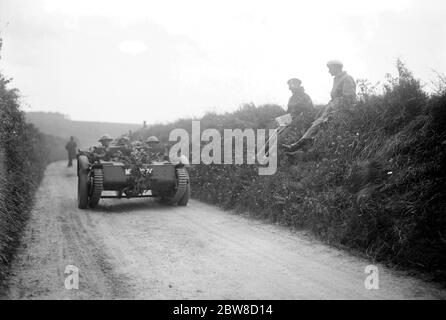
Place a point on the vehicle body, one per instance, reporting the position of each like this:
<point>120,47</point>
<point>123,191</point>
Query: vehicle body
<point>162,179</point>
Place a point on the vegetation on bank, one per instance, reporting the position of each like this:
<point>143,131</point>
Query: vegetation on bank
<point>24,154</point>
<point>373,181</point>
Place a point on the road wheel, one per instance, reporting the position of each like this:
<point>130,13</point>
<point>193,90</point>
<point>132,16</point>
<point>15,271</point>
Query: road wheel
<point>97,185</point>
<point>82,182</point>
<point>185,199</point>
<point>180,188</point>
<point>82,191</point>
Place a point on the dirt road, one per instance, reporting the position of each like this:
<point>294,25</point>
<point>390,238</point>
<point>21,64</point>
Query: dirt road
<point>141,249</point>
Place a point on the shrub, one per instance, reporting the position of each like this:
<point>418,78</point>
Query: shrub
<point>23,158</point>
<point>373,181</point>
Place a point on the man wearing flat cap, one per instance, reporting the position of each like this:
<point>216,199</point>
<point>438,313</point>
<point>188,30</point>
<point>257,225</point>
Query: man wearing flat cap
<point>343,95</point>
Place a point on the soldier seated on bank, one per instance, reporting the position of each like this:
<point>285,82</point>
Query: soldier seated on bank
<point>343,96</point>
<point>299,102</point>
<point>300,107</point>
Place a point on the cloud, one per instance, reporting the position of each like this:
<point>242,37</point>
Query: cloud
<point>169,59</point>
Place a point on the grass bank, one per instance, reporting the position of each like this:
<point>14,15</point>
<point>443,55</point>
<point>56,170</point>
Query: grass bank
<point>24,154</point>
<point>373,181</point>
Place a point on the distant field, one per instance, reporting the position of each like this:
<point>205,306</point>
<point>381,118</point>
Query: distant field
<point>86,133</point>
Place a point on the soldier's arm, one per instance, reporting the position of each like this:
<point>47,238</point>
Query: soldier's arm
<point>98,153</point>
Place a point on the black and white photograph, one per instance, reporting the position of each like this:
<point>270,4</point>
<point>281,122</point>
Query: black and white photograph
<point>222,156</point>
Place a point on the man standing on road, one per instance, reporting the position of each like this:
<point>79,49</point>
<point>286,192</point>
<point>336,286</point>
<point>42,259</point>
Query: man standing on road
<point>343,95</point>
<point>71,149</point>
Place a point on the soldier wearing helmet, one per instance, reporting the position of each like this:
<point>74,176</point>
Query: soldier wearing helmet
<point>102,151</point>
<point>120,150</point>
<point>343,96</point>
<point>152,140</point>
<point>105,140</point>
<point>157,151</point>
<point>123,141</point>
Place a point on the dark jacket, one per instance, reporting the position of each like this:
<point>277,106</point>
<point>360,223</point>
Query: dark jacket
<point>299,102</point>
<point>71,148</point>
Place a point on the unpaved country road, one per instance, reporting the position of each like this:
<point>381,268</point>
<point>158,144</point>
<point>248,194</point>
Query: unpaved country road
<point>139,249</point>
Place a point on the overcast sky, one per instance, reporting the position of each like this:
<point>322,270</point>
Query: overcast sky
<point>135,60</point>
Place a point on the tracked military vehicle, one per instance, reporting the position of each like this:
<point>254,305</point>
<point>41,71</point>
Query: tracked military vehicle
<point>131,179</point>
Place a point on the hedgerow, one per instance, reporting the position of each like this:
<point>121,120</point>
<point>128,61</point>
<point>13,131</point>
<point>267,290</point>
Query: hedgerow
<point>374,180</point>
<point>23,151</point>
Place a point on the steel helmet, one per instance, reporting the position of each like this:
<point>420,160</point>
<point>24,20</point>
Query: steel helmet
<point>106,137</point>
<point>124,139</point>
<point>136,143</point>
<point>152,139</point>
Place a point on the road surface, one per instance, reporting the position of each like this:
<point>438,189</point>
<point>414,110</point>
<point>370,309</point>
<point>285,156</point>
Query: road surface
<point>140,249</point>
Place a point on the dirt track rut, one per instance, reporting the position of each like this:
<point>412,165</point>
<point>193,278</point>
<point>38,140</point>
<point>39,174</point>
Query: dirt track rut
<point>127,249</point>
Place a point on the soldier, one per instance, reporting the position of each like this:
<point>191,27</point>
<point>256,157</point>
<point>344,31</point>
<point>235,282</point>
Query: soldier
<point>343,95</point>
<point>102,151</point>
<point>300,107</point>
<point>105,140</point>
<point>137,144</point>
<point>71,149</point>
<point>299,101</point>
<point>120,150</point>
<point>156,150</point>
<point>123,141</point>
<point>152,141</point>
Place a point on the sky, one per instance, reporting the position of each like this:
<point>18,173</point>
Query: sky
<point>135,60</point>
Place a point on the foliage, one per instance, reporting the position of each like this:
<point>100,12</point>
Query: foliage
<point>373,181</point>
<point>24,154</point>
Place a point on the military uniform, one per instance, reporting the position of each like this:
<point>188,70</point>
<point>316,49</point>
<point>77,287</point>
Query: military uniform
<point>155,149</point>
<point>299,102</point>
<point>344,89</point>
<point>71,149</point>
<point>101,153</point>
<point>300,107</point>
<point>157,152</point>
<point>343,95</point>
